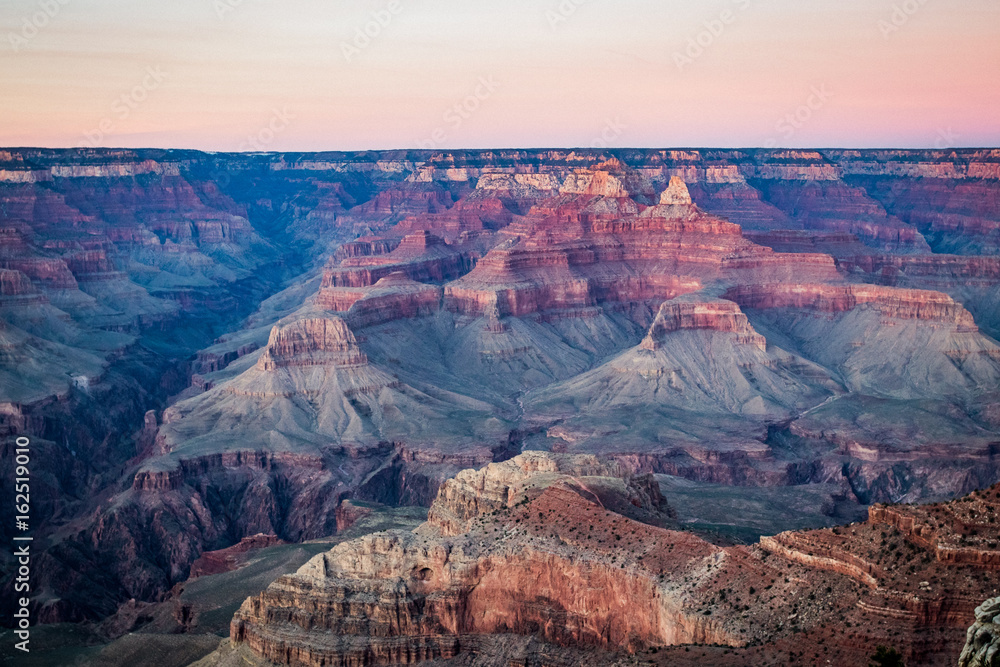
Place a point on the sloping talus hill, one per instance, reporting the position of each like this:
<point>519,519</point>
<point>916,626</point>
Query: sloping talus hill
<point>204,348</point>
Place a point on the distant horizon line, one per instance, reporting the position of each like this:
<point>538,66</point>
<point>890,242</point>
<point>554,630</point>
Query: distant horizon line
<point>588,149</point>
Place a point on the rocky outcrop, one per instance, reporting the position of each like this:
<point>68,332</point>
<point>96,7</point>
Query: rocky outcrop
<point>367,247</point>
<point>421,256</point>
<point>313,342</point>
<point>546,273</point>
<point>962,532</point>
<point>92,266</point>
<point>475,493</point>
<point>162,478</point>
<point>823,552</point>
<point>970,280</point>
<point>982,644</point>
<point>676,193</point>
<point>537,545</point>
<point>230,558</point>
<point>52,273</point>
<point>948,269</point>
<point>518,187</point>
<point>708,314</point>
<point>410,597</point>
<point>394,297</point>
<point>210,361</point>
<point>599,183</point>
<point>15,286</point>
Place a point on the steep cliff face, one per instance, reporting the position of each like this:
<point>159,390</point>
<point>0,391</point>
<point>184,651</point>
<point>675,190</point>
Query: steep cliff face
<point>970,280</point>
<point>315,342</point>
<point>982,645</point>
<point>710,315</point>
<point>395,297</point>
<point>895,303</point>
<point>572,254</point>
<point>407,598</point>
<point>17,287</point>
<point>92,265</point>
<point>421,256</point>
<point>833,206</point>
<point>824,323</point>
<point>955,212</point>
<point>51,273</point>
<point>531,546</point>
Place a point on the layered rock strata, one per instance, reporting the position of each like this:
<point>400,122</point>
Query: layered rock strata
<point>537,546</point>
<point>414,597</point>
<point>523,270</point>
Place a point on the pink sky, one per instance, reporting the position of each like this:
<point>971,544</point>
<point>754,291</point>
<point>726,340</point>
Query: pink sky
<point>269,75</point>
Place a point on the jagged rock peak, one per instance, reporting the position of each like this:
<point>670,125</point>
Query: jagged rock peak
<point>982,643</point>
<point>312,342</point>
<point>676,193</point>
